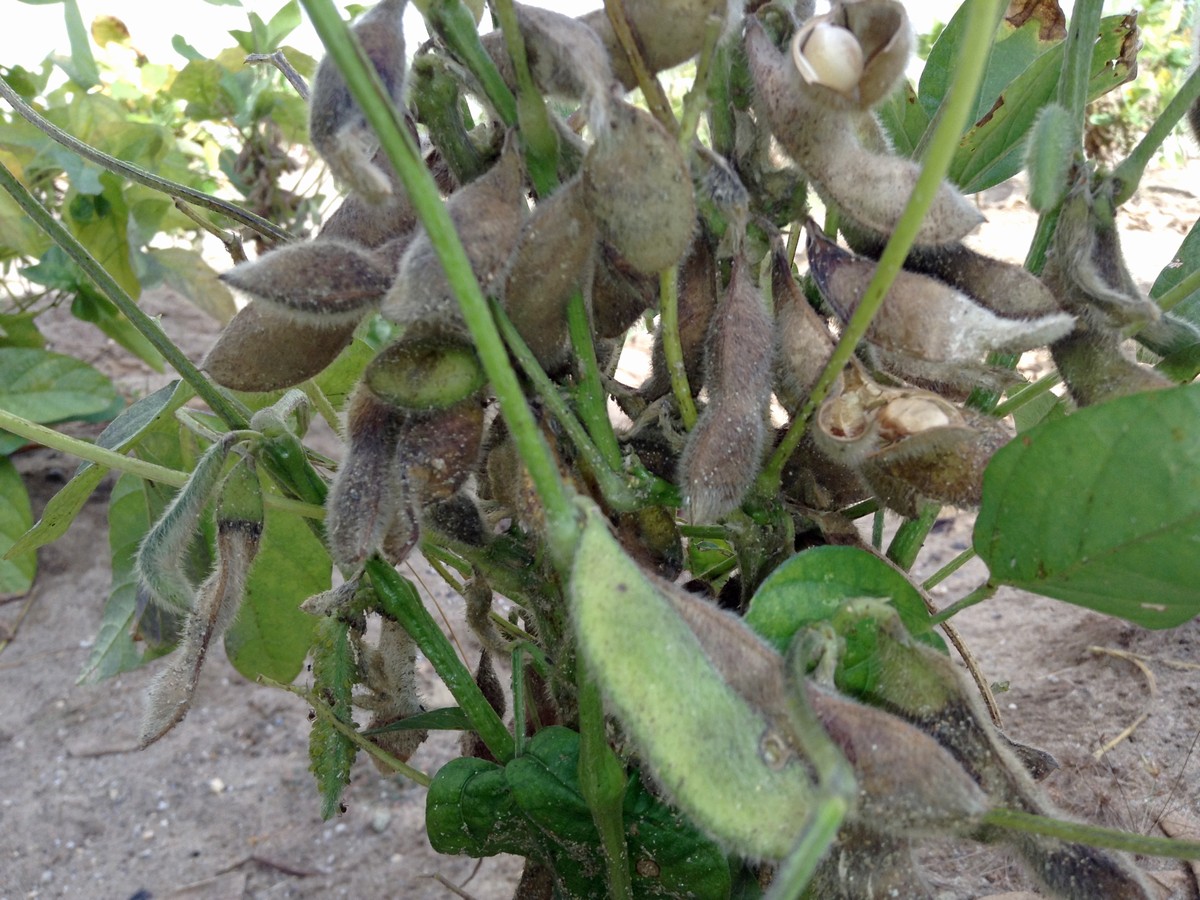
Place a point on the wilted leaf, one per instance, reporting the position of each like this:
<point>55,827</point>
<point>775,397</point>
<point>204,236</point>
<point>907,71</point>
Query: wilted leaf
<point>16,575</point>
<point>109,30</point>
<point>1102,508</point>
<point>811,586</point>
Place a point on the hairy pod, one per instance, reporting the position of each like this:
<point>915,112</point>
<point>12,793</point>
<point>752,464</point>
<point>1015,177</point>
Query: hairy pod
<point>924,319</point>
<point>566,58</point>
<point>265,349</point>
<point>239,530</point>
<point>487,214</point>
<point>1095,369</point>
<point>909,445</point>
<point>870,188</point>
<point>439,449</point>
<point>1006,289</point>
<point>926,688</point>
<point>639,190</point>
<point>369,507</point>
<point>1050,152</point>
<point>668,32</point>
<point>552,259</point>
<point>337,126</point>
<point>866,865</point>
<point>327,283</point>
<point>619,294</point>
<point>854,55</point>
<point>803,344</point>
<point>720,460</point>
<point>425,368</point>
<point>388,670</point>
<point>698,298</point>
<point>817,481</point>
<point>359,221</point>
<point>1087,267</point>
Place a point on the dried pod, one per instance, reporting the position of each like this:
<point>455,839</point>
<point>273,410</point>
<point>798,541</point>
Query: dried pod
<point>855,54</point>
<point>698,297</point>
<point>864,865</point>
<point>819,482</point>
<point>264,349</point>
<point>619,293</point>
<point>487,213</point>
<point>870,188</point>
<point>1095,369</point>
<point>929,330</point>
<point>425,368</point>
<point>668,32</point>
<point>389,672</point>
<point>1087,268</point>
<point>909,445</point>
<point>638,188</point>
<point>359,221</point>
<point>326,283</point>
<point>803,342</point>
<point>439,449</point>
<point>337,126</point>
<point>552,260</point>
<point>368,504</point>
<point>720,459</point>
<point>1005,288</point>
<point>566,58</point>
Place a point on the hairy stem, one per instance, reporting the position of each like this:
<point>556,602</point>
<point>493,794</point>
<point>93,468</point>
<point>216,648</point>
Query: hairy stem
<point>1128,174</point>
<point>672,348</point>
<point>590,395</point>
<point>602,782</point>
<point>1092,835</point>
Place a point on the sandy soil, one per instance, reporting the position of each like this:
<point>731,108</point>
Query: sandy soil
<point>224,807</point>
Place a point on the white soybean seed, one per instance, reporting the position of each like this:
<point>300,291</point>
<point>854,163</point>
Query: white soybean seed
<point>829,55</point>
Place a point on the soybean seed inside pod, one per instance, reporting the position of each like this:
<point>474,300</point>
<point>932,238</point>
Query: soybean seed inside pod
<point>637,185</point>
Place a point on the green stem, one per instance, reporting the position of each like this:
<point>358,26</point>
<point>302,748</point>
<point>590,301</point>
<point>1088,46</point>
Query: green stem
<point>326,713</point>
<point>451,21</point>
<point>538,136</point>
<point>399,601</point>
<point>1077,61</point>
<point>1184,289</point>
<point>1027,394</point>
<point>949,569</point>
<point>696,100</point>
<point>590,395</point>
<point>602,781</point>
<point>959,106</point>
<point>877,529</point>
<point>1092,835</point>
<point>1129,173</point>
<point>615,491</point>
<point>652,91</point>
<point>141,176</point>
<point>232,413</point>
<point>910,538</point>
<point>673,348</point>
<point>321,404</point>
<point>363,82</point>
<point>981,593</point>
<point>818,831</point>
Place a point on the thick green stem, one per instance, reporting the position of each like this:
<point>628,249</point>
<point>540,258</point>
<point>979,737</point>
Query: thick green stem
<point>230,412</point>
<point>141,176</point>
<point>910,538</point>
<point>959,106</point>
<point>451,21</point>
<point>1077,61</point>
<point>1092,835</point>
<point>697,98</point>
<point>399,601</point>
<point>672,347</point>
<point>395,139</point>
<point>590,395</point>
<point>1129,173</point>
<point>538,137</point>
<point>602,781</point>
<point>1026,394</point>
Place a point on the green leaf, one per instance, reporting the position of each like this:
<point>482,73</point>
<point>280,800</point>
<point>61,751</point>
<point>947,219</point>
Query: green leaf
<point>91,306</point>
<point>282,24</point>
<point>81,64</point>
<point>20,330</point>
<point>993,149</point>
<point>271,635</point>
<point>331,754</point>
<point>60,511</point>
<point>1184,263</point>
<point>450,718</point>
<point>101,222</point>
<point>904,118</point>
<point>187,272</point>
<point>48,387</point>
<point>114,649</point>
<point>1038,410</point>
<point>16,575</point>
<point>338,379</point>
<point>812,586</point>
<point>1102,508</point>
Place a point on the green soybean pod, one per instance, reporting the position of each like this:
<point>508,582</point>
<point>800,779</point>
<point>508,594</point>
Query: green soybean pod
<point>1049,154</point>
<point>722,761</point>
